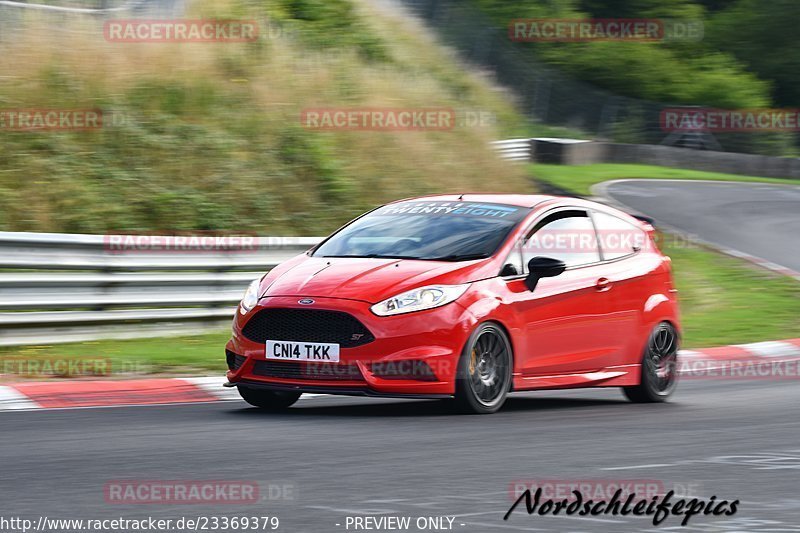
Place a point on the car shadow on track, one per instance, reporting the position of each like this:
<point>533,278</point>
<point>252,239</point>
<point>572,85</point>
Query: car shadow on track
<point>417,408</point>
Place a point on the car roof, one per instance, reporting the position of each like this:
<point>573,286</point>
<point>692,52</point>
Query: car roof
<point>521,200</point>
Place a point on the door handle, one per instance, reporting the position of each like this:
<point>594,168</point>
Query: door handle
<point>603,284</point>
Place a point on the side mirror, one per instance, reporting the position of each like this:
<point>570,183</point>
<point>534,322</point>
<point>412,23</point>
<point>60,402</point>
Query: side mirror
<point>543,267</point>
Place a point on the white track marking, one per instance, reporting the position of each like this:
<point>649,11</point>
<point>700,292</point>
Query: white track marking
<point>772,349</point>
<point>11,398</point>
<point>635,467</point>
<point>213,385</point>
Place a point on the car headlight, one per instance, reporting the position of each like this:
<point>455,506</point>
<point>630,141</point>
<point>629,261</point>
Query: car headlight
<point>419,299</point>
<point>250,297</point>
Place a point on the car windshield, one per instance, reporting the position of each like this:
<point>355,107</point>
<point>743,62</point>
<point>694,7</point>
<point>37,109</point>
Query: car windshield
<point>429,230</point>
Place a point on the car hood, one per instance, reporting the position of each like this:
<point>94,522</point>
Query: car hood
<point>366,279</point>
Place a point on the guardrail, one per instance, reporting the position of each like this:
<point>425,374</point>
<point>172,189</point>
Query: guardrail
<point>541,149</point>
<point>70,9</point>
<point>584,152</point>
<point>58,288</point>
<point>514,149</point>
<point>15,15</point>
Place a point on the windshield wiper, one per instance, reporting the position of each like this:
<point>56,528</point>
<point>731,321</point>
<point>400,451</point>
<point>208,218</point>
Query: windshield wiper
<point>461,257</point>
<point>374,256</point>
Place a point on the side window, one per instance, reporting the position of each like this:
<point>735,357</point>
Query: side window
<point>617,237</point>
<point>566,235</point>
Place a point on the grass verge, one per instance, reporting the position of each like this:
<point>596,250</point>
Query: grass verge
<point>728,301</point>
<point>193,355</point>
<point>579,179</point>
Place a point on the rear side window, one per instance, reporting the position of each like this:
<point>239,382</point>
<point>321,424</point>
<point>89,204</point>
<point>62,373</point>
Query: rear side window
<point>618,238</point>
<point>565,235</point>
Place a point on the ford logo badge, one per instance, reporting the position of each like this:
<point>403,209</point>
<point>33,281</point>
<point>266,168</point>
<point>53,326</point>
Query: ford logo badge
<point>305,301</point>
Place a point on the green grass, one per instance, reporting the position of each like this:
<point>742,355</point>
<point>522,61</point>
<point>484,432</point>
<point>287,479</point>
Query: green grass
<point>727,301</point>
<point>579,179</point>
<point>201,354</point>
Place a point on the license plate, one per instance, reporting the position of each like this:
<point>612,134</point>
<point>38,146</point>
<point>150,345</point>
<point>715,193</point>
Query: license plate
<point>303,351</point>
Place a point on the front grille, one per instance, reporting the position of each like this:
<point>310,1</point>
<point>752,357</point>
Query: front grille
<point>234,361</point>
<point>307,371</point>
<point>307,325</point>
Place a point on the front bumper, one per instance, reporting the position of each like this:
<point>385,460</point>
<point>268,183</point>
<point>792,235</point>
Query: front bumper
<point>342,391</point>
<point>433,338</point>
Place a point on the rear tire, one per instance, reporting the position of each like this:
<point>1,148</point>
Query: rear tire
<point>483,377</point>
<point>268,399</point>
<point>659,367</point>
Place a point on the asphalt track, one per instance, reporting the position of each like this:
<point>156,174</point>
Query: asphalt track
<point>758,219</point>
<point>350,456</point>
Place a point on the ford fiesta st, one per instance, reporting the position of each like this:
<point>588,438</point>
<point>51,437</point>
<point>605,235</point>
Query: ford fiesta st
<point>464,297</point>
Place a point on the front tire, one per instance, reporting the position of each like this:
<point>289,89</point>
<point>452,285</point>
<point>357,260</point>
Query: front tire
<point>268,399</point>
<point>659,367</point>
<point>483,377</point>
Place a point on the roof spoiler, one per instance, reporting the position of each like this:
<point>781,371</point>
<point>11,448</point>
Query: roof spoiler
<point>646,219</point>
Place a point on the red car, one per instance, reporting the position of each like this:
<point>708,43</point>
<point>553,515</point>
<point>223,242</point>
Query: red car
<point>465,297</point>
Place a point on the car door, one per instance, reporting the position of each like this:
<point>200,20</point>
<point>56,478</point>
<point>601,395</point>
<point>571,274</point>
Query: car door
<point>568,320</point>
<point>623,246</point>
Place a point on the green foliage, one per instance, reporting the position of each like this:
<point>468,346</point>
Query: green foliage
<point>330,24</point>
<point>313,160</point>
<point>651,72</point>
<point>708,72</point>
<point>764,36</point>
<point>685,9</point>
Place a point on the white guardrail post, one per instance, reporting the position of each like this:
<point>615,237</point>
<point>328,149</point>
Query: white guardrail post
<point>514,149</point>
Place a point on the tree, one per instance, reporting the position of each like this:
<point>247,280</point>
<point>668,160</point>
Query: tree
<point>763,35</point>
